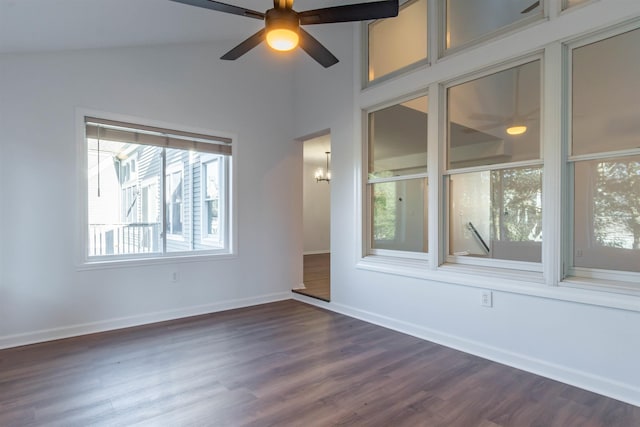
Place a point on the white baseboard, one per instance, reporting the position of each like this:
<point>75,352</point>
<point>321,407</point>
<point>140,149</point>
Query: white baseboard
<point>316,252</point>
<point>137,320</point>
<point>300,286</point>
<point>624,392</point>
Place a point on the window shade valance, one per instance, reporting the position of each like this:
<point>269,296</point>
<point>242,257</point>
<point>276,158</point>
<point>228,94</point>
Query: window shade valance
<point>111,130</point>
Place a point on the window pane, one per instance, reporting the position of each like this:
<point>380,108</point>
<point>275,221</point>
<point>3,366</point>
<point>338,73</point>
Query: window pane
<point>497,214</point>
<point>211,172</point>
<point>400,215</point>
<point>605,107</point>
<point>469,20</point>
<point>495,119</point>
<point>395,43</point>
<point>398,139</point>
<point>607,214</point>
<point>568,3</point>
<point>121,211</point>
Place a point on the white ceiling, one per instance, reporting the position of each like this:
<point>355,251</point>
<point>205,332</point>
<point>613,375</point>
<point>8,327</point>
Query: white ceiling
<point>50,25</point>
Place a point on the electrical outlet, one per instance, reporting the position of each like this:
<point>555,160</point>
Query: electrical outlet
<point>174,277</point>
<point>487,299</point>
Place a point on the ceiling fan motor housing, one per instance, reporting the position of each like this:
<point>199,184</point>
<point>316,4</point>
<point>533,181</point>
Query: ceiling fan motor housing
<point>281,18</point>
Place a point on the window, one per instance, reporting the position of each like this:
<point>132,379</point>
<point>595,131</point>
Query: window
<point>397,43</point>
<point>397,183</point>
<point>605,158</point>
<point>494,169</point>
<point>132,168</point>
<point>569,3</point>
<point>469,21</point>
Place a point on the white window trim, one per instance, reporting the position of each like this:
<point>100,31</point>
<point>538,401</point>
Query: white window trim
<point>84,263</point>
<point>564,27</point>
<point>367,182</point>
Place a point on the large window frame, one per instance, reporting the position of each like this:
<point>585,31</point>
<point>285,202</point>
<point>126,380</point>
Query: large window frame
<point>193,142</point>
<point>590,277</point>
<point>448,173</point>
<point>371,182</point>
<point>548,40</point>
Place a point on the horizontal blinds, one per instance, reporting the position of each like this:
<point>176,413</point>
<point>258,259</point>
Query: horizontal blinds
<point>110,130</point>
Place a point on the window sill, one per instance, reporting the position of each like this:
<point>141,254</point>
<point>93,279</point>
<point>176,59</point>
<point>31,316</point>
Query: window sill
<point>502,280</point>
<point>142,262</point>
<point>602,285</point>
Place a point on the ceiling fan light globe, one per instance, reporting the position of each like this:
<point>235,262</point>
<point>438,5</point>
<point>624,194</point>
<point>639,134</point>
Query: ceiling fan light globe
<point>282,39</point>
<point>516,130</point>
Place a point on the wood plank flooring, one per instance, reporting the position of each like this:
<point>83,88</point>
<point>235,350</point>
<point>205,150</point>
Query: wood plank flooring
<point>317,276</point>
<point>280,364</point>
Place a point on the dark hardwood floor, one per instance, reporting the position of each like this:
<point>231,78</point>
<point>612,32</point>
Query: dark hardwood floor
<point>280,364</point>
<point>317,276</point>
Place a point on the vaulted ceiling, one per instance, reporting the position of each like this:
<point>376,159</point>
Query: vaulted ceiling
<point>50,25</point>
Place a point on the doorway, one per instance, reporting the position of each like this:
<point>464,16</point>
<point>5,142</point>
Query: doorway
<point>316,203</point>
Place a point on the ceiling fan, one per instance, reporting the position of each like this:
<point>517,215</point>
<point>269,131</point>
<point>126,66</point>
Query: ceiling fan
<point>282,24</point>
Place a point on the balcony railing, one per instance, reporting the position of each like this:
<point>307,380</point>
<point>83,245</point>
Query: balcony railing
<point>124,239</point>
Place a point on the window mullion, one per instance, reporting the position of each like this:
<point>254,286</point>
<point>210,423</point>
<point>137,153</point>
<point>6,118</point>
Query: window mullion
<point>435,166</point>
<point>163,199</point>
<point>552,147</point>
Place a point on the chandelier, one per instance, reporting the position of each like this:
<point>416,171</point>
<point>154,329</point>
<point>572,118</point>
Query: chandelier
<point>321,175</point>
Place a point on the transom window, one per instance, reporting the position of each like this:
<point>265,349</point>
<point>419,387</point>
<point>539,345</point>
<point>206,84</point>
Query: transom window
<point>469,21</point>
<point>132,168</point>
<point>397,43</point>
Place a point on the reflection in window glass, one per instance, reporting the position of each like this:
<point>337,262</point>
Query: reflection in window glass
<point>395,43</point>
<point>398,139</point>
<point>469,20</point>
<point>569,3</point>
<point>495,119</point>
<point>399,214</point>
<point>607,214</point>
<point>497,214</point>
<point>397,182</point>
<point>605,106</point>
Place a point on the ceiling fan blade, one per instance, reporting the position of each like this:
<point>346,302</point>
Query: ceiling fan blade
<point>350,12</point>
<point>245,46</point>
<point>530,8</point>
<point>223,7</point>
<point>315,50</point>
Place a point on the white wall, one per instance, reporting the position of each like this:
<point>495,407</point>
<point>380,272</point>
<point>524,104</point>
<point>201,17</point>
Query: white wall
<point>583,344</point>
<point>316,205</point>
<point>42,294</point>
